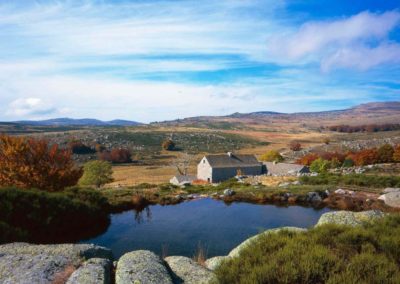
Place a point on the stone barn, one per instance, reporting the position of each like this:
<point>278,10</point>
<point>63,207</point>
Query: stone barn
<point>217,168</point>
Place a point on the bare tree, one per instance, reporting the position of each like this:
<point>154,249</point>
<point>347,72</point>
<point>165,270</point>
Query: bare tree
<point>182,163</point>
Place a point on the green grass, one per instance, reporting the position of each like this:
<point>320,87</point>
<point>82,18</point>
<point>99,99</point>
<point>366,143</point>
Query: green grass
<point>192,142</point>
<point>326,254</point>
<point>363,180</point>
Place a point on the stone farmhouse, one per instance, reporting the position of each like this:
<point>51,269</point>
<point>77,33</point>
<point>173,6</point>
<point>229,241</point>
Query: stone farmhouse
<point>217,168</point>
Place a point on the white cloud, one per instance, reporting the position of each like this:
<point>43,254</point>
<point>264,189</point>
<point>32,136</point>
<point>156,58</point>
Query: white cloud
<point>151,101</point>
<point>362,58</point>
<point>32,107</point>
<point>336,41</point>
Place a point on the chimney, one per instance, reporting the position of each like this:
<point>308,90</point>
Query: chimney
<point>230,154</point>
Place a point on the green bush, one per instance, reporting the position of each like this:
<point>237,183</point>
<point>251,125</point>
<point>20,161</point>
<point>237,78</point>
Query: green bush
<point>320,166</point>
<point>326,254</point>
<point>348,163</point>
<point>352,179</point>
<point>38,216</point>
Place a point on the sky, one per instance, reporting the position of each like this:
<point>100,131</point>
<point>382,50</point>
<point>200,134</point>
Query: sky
<point>158,60</point>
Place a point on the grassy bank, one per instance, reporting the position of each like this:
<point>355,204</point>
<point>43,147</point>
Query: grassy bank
<point>362,180</point>
<point>326,254</point>
<point>145,194</point>
<point>39,216</point>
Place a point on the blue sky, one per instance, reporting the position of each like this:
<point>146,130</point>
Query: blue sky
<point>159,60</point>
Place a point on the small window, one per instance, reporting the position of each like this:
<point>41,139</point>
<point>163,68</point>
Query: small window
<point>204,161</point>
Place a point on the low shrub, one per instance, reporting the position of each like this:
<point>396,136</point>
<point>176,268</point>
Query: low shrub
<point>38,216</point>
<point>352,179</point>
<point>326,254</point>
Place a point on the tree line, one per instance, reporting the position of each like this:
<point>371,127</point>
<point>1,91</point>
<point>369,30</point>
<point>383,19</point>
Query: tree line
<point>320,162</point>
<point>364,128</point>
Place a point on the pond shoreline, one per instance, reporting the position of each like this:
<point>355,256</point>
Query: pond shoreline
<point>358,201</point>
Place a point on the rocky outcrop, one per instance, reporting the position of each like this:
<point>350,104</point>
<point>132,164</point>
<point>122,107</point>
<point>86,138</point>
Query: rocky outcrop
<point>214,262</point>
<point>95,270</point>
<point>349,217</point>
<point>25,263</point>
<point>236,251</point>
<point>185,270</point>
<point>391,197</point>
<point>142,267</point>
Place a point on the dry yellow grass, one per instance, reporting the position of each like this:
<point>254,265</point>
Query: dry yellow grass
<point>273,181</point>
<point>133,175</point>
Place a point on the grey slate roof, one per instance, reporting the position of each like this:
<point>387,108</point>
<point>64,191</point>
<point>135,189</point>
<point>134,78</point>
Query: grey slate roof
<point>284,168</point>
<point>227,161</point>
<point>187,178</point>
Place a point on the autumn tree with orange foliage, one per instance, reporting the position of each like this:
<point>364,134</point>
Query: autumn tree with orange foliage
<point>294,146</point>
<point>33,163</point>
<point>365,157</point>
<point>307,160</point>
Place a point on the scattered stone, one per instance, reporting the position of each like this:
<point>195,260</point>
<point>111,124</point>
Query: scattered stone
<point>287,195</point>
<point>340,191</point>
<point>391,189</point>
<point>95,270</point>
<point>313,197</point>
<point>228,192</point>
<point>193,196</point>
<point>296,182</point>
<point>391,199</point>
<point>188,271</point>
<point>284,184</point>
<point>214,262</point>
<point>236,251</point>
<point>327,193</point>
<point>142,267</point>
<point>349,218</point>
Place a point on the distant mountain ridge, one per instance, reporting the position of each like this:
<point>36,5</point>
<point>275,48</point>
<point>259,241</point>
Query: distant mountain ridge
<point>78,122</point>
<point>373,112</point>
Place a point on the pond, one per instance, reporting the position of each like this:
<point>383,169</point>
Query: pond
<point>214,225</point>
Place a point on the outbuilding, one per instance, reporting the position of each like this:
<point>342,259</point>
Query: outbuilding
<point>217,168</point>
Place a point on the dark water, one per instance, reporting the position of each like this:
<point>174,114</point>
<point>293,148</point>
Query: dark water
<point>216,226</point>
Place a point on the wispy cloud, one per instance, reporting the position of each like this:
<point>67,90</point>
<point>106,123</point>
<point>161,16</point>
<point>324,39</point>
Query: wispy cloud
<point>33,107</point>
<point>152,60</point>
<point>340,43</point>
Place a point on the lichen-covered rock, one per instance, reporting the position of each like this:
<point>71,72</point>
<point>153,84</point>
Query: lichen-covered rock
<point>142,267</point>
<point>236,251</point>
<point>75,252</point>
<point>93,271</point>
<point>28,269</point>
<point>26,263</point>
<point>392,198</point>
<point>188,271</point>
<point>214,262</point>
<point>349,218</point>
<point>391,189</point>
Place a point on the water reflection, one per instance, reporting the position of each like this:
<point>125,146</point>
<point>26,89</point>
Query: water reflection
<point>142,214</point>
<point>178,229</point>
